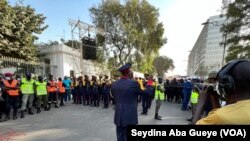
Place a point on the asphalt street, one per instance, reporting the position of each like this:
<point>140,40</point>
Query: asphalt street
<point>82,123</point>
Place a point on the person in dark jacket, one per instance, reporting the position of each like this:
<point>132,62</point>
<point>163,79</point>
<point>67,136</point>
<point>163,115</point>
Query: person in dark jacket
<point>2,101</point>
<point>125,92</point>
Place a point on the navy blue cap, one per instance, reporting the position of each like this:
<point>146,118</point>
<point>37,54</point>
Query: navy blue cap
<point>125,67</point>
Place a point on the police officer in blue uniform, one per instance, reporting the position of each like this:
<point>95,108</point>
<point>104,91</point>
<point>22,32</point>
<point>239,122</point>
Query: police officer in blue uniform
<point>125,92</point>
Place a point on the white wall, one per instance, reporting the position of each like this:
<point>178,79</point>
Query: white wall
<point>63,59</point>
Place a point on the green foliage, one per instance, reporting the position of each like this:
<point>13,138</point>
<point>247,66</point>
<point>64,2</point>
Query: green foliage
<point>162,64</point>
<point>48,44</point>
<point>72,43</point>
<point>19,26</point>
<point>237,28</point>
<point>133,32</point>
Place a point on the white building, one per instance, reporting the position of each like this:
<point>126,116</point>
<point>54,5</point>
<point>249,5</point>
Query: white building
<point>206,55</point>
<point>65,60</point>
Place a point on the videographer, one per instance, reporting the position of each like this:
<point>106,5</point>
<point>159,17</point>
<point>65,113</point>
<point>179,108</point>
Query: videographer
<point>233,86</point>
<point>207,96</point>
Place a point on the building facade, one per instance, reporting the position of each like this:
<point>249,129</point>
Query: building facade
<point>65,61</point>
<point>207,54</point>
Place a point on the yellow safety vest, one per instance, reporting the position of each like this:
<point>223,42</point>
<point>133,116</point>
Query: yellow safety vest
<point>158,94</point>
<point>141,84</point>
<point>41,88</point>
<point>27,87</point>
<point>194,97</point>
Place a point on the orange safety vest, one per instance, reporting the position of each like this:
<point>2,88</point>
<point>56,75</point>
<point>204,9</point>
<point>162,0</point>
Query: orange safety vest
<point>61,89</point>
<point>12,85</point>
<point>52,87</point>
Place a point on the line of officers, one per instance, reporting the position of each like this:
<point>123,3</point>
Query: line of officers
<point>93,91</point>
<point>27,92</point>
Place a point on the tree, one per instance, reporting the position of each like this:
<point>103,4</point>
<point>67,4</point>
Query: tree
<point>237,28</point>
<point>133,31</point>
<point>72,43</point>
<point>162,64</point>
<point>48,44</point>
<point>19,27</point>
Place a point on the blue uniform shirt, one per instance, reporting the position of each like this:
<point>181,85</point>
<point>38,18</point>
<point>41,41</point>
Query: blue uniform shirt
<point>67,82</point>
<point>125,92</point>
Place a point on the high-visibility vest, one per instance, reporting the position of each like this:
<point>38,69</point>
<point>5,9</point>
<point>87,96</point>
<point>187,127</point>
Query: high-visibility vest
<point>52,86</point>
<point>61,89</point>
<point>27,87</point>
<point>41,88</point>
<point>194,97</point>
<point>158,94</point>
<point>141,84</point>
<point>12,85</point>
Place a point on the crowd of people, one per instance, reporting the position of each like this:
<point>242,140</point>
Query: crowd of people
<point>28,93</point>
<point>230,85</point>
<point>25,94</point>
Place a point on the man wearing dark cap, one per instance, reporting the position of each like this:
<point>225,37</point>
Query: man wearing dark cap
<point>125,92</point>
<point>159,97</point>
<point>11,88</point>
<point>233,86</point>
<point>67,82</point>
<point>95,93</point>
<point>52,88</point>
<point>42,94</point>
<point>27,89</point>
<point>87,85</point>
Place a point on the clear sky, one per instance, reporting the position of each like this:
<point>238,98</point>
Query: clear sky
<point>181,18</point>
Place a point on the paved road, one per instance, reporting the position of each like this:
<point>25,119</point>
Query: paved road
<point>81,123</point>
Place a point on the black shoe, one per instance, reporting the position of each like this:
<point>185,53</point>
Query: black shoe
<point>190,119</point>
<point>15,114</point>
<point>56,106</point>
<point>46,108</point>
<point>30,112</point>
<point>183,109</point>
<point>157,117</point>
<point>22,114</point>
<point>14,117</point>
<point>38,110</point>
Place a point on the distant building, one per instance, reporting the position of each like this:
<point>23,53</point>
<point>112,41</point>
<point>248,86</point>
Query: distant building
<point>65,61</point>
<point>206,55</point>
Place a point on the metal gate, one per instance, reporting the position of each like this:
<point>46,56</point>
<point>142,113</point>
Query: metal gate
<point>19,66</point>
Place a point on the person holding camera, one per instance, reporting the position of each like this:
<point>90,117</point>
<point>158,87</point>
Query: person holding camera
<point>233,87</point>
<point>207,92</point>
